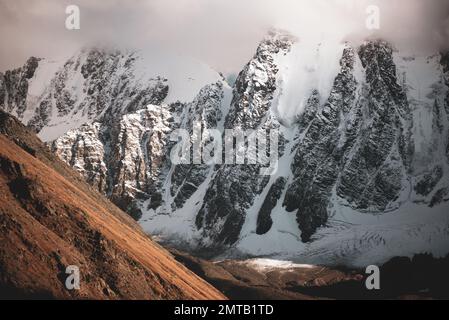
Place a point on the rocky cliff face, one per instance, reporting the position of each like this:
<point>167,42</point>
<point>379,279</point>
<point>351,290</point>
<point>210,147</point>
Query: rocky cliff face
<point>234,188</point>
<point>128,158</point>
<point>363,137</point>
<point>357,145</point>
<point>108,116</point>
<point>14,87</point>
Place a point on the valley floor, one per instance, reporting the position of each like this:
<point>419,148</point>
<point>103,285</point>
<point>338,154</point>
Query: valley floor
<point>422,277</point>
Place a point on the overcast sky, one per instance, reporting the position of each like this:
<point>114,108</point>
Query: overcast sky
<point>222,33</point>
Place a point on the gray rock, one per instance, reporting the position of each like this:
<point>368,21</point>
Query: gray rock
<point>264,221</point>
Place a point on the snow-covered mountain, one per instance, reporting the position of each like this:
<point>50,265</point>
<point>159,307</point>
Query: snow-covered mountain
<point>108,113</point>
<point>363,172</point>
<point>96,83</point>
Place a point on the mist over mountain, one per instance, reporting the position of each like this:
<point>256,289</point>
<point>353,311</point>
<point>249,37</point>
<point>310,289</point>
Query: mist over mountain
<point>364,137</point>
<point>223,34</point>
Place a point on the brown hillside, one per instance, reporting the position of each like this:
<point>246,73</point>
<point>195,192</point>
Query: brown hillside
<point>50,218</point>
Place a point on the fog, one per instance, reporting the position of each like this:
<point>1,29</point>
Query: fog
<point>222,33</point>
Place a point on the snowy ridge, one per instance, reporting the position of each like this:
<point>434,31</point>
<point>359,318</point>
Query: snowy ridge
<point>363,172</point>
<point>64,95</point>
<point>350,236</point>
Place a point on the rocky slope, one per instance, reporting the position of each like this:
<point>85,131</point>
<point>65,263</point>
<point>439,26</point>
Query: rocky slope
<point>363,171</point>
<point>50,219</point>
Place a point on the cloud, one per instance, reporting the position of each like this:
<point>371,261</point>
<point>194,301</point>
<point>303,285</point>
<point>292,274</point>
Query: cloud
<point>223,33</point>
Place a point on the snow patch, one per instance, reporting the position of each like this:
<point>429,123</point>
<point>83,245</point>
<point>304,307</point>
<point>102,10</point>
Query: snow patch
<point>270,264</point>
<point>310,65</point>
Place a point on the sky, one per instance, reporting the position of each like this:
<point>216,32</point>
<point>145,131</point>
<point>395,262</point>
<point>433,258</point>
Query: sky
<point>222,33</point>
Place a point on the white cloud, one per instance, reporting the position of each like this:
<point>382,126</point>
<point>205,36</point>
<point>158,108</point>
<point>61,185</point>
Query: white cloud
<point>223,33</point>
